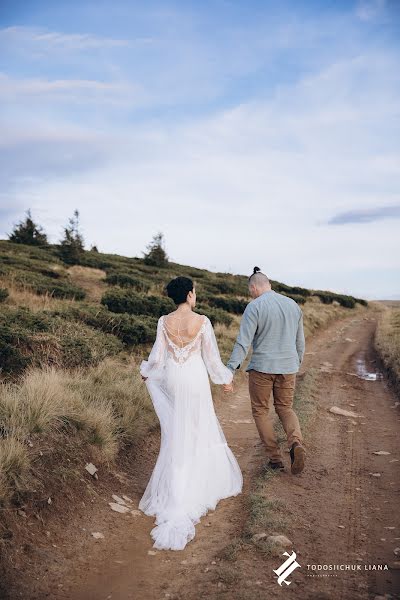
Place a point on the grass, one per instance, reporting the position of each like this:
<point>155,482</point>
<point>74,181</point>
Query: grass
<point>14,467</point>
<point>107,404</point>
<point>227,574</point>
<point>69,364</point>
<point>387,342</point>
<point>265,513</point>
<point>231,551</point>
<point>318,315</point>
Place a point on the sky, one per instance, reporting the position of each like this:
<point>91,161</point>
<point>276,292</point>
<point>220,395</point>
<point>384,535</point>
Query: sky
<point>248,132</point>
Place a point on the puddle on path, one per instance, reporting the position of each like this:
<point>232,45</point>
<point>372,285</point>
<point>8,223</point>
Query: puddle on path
<point>364,373</point>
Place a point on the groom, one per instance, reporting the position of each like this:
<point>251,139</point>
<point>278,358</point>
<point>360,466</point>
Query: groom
<point>273,324</point>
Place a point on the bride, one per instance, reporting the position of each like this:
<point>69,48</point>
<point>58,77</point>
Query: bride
<point>195,467</point>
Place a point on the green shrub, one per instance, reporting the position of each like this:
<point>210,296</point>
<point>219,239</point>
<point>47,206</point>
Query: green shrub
<point>75,352</point>
<point>18,327</point>
<point>130,329</point>
<point>296,297</point>
<point>225,286</point>
<point>120,301</point>
<point>289,290</point>
<point>12,359</point>
<point>96,260</point>
<point>128,281</point>
<point>3,294</point>
<point>28,338</point>
<point>13,262</point>
<point>37,275</point>
<point>347,301</point>
<point>228,303</point>
<point>72,346</point>
<point>329,297</point>
<point>216,315</point>
<point>22,319</point>
<point>361,301</point>
<point>59,290</point>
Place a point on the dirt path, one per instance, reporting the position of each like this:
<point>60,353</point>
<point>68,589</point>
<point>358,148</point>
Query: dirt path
<point>338,512</point>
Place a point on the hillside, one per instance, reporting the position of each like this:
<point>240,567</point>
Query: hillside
<point>71,340</point>
<point>77,315</point>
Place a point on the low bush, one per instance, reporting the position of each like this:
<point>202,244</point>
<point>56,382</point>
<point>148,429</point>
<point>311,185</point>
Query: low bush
<point>216,315</point>
<point>226,285</point>
<point>65,290</point>
<point>12,359</point>
<point>34,339</point>
<point>228,303</point>
<point>3,294</point>
<point>361,301</point>
<point>296,297</point>
<point>126,280</point>
<point>329,297</point>
<point>290,291</point>
<point>121,301</point>
<point>26,268</point>
<point>130,329</point>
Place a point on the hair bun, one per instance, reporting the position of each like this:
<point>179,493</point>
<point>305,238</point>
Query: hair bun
<point>256,270</point>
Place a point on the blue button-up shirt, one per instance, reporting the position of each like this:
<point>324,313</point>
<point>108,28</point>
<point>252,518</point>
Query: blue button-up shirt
<point>273,325</point>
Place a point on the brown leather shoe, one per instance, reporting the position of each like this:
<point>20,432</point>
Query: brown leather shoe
<point>297,457</point>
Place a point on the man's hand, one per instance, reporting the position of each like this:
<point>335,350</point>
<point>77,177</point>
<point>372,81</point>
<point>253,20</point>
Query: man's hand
<point>228,387</point>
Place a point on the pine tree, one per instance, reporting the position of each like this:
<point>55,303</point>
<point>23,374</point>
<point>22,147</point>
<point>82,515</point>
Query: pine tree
<point>72,245</point>
<point>28,232</point>
<point>156,254</point>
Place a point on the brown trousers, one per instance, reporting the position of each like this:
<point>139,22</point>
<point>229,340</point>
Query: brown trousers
<point>260,387</point>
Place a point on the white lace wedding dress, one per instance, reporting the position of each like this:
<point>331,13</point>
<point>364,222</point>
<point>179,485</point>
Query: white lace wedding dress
<point>195,467</point>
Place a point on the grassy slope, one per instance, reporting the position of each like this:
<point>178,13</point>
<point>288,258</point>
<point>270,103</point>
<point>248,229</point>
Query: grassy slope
<point>387,340</point>
<point>70,365</point>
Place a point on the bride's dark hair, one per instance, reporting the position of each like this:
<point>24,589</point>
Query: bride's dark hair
<point>178,289</point>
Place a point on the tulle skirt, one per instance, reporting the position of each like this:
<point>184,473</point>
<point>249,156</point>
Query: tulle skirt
<point>195,467</point>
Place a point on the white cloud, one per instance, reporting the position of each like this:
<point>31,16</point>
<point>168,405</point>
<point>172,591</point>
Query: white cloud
<point>251,184</point>
<point>79,91</point>
<point>369,9</point>
<point>45,40</point>
<point>254,184</point>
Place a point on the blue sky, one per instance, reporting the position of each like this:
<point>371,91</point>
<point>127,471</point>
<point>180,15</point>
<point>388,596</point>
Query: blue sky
<point>250,133</point>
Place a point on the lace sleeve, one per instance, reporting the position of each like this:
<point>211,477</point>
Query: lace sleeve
<point>152,367</point>
<point>217,371</point>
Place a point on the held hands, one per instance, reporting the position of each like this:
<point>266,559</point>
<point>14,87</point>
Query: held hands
<point>228,387</point>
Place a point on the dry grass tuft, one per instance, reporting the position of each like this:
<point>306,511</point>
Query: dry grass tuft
<point>108,403</point>
<point>318,315</point>
<point>387,342</point>
<point>22,295</point>
<point>90,280</point>
<point>14,467</point>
